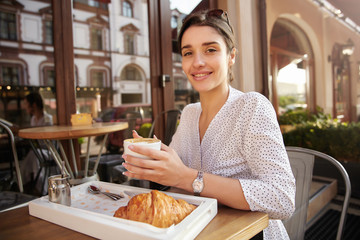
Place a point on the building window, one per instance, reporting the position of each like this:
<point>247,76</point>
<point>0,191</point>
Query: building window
<point>127,9</point>
<point>174,22</point>
<point>131,98</point>
<point>93,3</point>
<point>131,74</point>
<point>49,32</point>
<point>129,44</point>
<point>76,77</point>
<point>96,39</point>
<point>49,77</point>
<point>8,26</point>
<point>103,4</point>
<point>97,79</point>
<point>130,32</point>
<point>10,75</point>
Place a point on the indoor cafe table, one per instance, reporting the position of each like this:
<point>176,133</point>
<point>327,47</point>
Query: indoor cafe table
<point>51,137</point>
<point>227,224</point>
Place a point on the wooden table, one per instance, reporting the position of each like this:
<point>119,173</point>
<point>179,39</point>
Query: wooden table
<point>49,134</point>
<point>227,224</point>
<point>69,132</point>
<point>18,224</point>
<point>234,224</point>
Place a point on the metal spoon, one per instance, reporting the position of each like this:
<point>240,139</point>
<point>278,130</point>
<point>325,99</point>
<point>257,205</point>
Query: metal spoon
<point>95,190</point>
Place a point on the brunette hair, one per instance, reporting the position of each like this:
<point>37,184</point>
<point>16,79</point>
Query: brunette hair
<point>36,98</point>
<point>218,20</point>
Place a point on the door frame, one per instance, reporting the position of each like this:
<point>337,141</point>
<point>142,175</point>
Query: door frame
<point>161,64</point>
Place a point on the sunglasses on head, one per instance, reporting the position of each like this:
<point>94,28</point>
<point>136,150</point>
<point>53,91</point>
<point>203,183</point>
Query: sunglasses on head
<point>218,13</point>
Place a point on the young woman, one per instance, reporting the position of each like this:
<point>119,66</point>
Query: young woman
<point>228,146</point>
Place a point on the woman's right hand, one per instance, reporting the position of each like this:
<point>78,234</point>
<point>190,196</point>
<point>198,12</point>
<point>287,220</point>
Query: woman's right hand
<point>135,134</point>
<point>164,167</point>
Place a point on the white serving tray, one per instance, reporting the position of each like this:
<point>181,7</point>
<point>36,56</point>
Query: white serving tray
<point>93,214</point>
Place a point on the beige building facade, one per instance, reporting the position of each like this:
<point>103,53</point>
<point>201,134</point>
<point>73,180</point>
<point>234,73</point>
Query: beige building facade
<point>333,76</point>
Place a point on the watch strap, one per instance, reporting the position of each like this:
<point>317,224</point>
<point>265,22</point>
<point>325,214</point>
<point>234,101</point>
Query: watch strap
<point>200,175</point>
<point>199,178</point>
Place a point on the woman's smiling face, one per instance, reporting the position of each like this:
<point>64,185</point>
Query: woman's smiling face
<point>205,58</point>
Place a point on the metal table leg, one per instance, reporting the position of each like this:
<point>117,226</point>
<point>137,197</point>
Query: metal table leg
<point>73,157</point>
<point>66,160</point>
<point>87,157</point>
<point>99,154</point>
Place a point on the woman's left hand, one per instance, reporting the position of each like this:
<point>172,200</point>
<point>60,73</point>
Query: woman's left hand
<point>165,167</point>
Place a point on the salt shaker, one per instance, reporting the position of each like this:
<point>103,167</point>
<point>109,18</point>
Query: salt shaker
<point>59,189</point>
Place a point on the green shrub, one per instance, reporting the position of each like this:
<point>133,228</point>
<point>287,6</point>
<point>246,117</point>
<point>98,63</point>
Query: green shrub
<point>339,140</point>
<point>298,116</point>
<point>287,100</point>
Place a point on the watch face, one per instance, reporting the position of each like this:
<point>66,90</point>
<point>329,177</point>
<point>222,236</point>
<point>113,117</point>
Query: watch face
<point>198,185</point>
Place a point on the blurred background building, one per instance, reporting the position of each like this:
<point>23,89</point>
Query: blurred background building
<point>105,57</point>
<point>303,53</point>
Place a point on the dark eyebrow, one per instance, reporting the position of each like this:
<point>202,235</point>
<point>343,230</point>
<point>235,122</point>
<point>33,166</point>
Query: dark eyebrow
<point>204,44</point>
<point>186,46</point>
<point>210,43</point>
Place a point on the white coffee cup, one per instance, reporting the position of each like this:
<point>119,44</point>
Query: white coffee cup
<point>152,143</point>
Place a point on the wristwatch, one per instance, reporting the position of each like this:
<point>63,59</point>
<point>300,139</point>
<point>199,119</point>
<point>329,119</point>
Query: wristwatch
<point>198,184</point>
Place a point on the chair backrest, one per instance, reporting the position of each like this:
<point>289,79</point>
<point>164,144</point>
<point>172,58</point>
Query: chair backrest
<point>171,119</point>
<point>134,119</point>
<point>302,166</point>
<point>16,160</point>
<point>333,161</point>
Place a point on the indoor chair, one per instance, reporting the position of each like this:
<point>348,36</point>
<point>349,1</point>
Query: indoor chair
<point>171,120</point>
<point>9,199</point>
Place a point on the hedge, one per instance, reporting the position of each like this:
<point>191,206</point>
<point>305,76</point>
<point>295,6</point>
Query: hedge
<point>339,140</point>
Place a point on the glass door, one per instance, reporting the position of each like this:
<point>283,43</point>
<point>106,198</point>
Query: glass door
<point>341,84</point>
<point>292,69</point>
<point>26,60</point>
<point>290,82</point>
<point>111,48</point>
<point>183,91</point>
<point>112,62</point>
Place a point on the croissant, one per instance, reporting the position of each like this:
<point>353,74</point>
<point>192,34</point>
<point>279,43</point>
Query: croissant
<point>155,208</point>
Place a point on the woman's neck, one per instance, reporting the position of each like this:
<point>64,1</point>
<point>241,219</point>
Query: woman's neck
<point>211,102</point>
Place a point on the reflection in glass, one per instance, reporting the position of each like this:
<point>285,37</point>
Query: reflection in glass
<point>49,32</point>
<point>10,75</point>
<point>8,26</point>
<point>26,60</point>
<point>129,44</point>
<point>96,39</point>
<point>111,57</point>
<point>291,85</point>
<point>97,78</point>
<point>184,93</point>
<point>127,9</point>
<point>131,73</point>
<point>49,77</point>
<point>292,64</point>
<point>111,49</point>
<point>174,21</point>
<point>341,82</point>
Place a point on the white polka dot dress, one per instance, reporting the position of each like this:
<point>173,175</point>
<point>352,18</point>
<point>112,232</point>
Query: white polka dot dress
<point>243,141</point>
